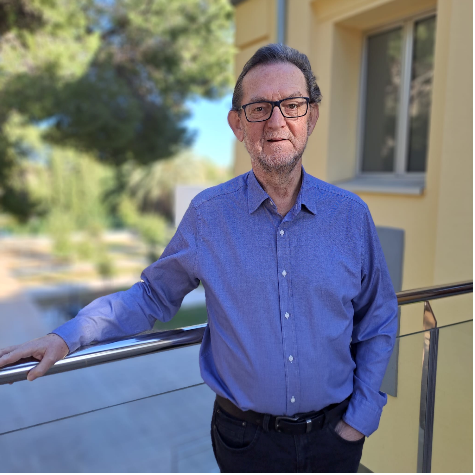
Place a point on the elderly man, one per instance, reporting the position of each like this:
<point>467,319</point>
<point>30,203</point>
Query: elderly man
<point>302,312</point>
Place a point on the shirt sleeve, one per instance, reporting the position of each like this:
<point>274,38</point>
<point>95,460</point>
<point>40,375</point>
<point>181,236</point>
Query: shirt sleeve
<point>158,295</point>
<point>374,333</point>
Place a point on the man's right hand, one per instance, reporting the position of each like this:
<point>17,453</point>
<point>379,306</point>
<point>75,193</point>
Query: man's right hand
<point>48,350</point>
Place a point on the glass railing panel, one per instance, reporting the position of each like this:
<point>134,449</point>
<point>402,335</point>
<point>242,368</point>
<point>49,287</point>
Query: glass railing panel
<point>168,432</point>
<point>452,447</point>
<point>411,315</point>
<point>393,447</point>
<point>447,311</point>
<point>410,318</point>
<point>66,394</point>
<point>396,445</point>
<point>454,309</point>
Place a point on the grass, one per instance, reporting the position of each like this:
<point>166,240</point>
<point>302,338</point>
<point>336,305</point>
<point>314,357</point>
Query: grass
<point>184,318</point>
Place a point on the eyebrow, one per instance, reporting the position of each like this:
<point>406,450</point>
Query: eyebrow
<point>261,98</point>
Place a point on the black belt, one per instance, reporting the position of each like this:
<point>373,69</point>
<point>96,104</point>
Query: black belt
<point>298,424</point>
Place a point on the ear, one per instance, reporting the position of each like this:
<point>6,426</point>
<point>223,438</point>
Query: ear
<point>234,121</point>
<point>314,113</point>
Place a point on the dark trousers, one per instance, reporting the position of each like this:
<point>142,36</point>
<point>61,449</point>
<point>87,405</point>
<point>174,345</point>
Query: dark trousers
<point>245,447</point>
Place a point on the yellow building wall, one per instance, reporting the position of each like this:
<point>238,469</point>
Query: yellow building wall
<point>256,26</point>
<point>453,236</point>
<point>437,223</point>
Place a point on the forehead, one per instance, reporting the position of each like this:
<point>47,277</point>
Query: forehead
<point>273,82</point>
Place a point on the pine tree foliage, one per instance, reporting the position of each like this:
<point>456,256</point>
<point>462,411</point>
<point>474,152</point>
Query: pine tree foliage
<point>107,77</point>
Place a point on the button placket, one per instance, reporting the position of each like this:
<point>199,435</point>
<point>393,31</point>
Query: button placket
<point>287,328</point>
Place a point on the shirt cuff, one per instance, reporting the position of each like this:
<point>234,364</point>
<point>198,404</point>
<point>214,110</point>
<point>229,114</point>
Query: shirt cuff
<point>70,332</point>
<point>365,407</point>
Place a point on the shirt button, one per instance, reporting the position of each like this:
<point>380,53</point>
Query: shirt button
<point>291,358</point>
<point>292,399</point>
<point>284,273</point>
<point>282,232</point>
<point>286,315</point>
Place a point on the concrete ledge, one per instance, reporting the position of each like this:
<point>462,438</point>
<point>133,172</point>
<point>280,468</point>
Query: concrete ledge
<point>390,185</point>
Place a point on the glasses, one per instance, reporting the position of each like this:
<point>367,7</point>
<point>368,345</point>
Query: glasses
<point>291,108</point>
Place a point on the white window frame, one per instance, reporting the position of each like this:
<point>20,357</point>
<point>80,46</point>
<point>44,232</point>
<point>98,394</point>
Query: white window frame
<point>402,126</point>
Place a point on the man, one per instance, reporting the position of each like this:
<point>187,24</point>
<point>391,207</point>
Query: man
<point>293,272</point>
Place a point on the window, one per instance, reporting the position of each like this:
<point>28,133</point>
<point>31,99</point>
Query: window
<point>397,88</point>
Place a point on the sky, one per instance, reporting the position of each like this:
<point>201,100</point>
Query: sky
<point>214,138</point>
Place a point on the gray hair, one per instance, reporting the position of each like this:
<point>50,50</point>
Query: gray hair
<point>278,53</point>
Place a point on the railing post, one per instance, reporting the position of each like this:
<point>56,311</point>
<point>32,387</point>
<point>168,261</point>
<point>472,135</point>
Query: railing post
<point>429,374</point>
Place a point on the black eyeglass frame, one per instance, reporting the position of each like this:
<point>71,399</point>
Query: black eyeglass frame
<point>274,105</point>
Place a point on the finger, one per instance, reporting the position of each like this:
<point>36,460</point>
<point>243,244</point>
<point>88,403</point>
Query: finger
<point>41,368</point>
<point>16,355</point>
<point>8,358</point>
<point>8,349</point>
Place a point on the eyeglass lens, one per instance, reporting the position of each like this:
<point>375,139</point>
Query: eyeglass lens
<point>294,107</point>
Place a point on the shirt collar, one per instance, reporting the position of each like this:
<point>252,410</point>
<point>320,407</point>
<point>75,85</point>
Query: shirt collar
<point>307,192</point>
<point>256,194</point>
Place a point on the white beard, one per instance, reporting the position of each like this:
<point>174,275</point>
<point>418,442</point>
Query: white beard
<point>281,162</point>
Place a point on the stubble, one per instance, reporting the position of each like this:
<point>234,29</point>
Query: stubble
<point>282,162</point>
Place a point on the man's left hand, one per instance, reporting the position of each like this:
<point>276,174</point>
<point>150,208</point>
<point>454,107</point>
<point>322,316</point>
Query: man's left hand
<point>347,432</point>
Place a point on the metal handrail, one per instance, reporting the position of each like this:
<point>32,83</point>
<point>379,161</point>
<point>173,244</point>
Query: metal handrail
<point>434,292</point>
<point>106,351</point>
<point>153,342</point>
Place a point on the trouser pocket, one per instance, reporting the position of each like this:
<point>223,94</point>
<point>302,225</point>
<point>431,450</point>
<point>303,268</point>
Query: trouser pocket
<point>232,433</point>
<point>331,429</point>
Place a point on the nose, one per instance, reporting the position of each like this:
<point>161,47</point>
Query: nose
<point>276,119</point>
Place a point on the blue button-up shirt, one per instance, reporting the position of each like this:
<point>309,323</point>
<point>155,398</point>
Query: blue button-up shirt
<point>285,298</point>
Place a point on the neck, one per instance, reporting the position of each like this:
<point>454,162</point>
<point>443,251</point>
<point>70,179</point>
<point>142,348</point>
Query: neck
<point>282,188</point>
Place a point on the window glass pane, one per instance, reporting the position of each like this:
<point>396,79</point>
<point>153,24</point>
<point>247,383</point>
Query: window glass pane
<point>421,93</point>
<point>383,80</point>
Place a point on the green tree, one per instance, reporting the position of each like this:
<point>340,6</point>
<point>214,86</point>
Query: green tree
<point>151,227</point>
<point>66,187</point>
<point>108,78</point>
<point>152,187</point>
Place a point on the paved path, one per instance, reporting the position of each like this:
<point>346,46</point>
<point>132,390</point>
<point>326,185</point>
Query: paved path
<point>165,433</point>
<point>20,320</point>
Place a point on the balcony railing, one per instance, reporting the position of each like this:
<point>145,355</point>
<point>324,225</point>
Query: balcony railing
<point>145,343</point>
<point>149,343</point>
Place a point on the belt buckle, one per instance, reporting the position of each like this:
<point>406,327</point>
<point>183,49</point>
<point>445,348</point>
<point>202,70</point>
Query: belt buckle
<point>286,418</point>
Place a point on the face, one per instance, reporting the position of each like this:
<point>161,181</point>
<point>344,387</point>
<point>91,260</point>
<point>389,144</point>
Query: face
<point>277,144</point>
